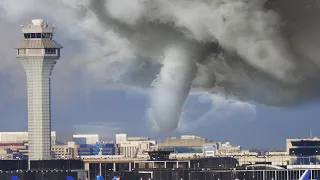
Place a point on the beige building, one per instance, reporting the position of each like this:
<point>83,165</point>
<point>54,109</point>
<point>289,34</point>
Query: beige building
<point>15,137</point>
<point>6,137</point>
<point>70,150</point>
<point>227,148</point>
<point>196,144</point>
<point>184,141</point>
<point>185,144</point>
<point>121,138</point>
<point>138,139</point>
<point>86,138</point>
<point>294,146</point>
<point>61,137</point>
<point>131,147</point>
<point>65,151</point>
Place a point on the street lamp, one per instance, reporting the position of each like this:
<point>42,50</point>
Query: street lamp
<point>316,157</point>
<point>18,158</point>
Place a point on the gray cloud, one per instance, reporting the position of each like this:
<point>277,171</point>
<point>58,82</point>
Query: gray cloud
<point>220,108</point>
<point>102,128</point>
<point>123,44</point>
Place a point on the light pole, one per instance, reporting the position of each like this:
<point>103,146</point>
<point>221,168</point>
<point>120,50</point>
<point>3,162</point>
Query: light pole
<point>18,158</point>
<point>265,166</point>
<point>316,157</point>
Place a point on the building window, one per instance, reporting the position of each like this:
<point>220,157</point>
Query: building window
<point>37,35</point>
<point>46,35</point>
<point>18,51</point>
<point>50,51</point>
<point>27,36</point>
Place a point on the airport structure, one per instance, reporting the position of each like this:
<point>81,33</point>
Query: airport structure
<point>85,156</point>
<point>38,53</point>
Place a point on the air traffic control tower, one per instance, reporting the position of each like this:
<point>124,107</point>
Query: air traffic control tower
<point>38,54</point>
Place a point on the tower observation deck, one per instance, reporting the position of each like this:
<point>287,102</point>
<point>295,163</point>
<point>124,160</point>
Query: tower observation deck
<point>38,54</point>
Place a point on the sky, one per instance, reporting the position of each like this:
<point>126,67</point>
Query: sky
<point>90,96</point>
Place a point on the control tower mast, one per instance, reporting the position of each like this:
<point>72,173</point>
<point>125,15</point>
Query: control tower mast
<point>38,54</point>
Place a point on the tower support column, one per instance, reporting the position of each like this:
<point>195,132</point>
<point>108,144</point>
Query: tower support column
<point>38,72</point>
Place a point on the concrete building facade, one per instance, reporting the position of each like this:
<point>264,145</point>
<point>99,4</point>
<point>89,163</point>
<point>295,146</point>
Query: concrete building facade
<point>303,147</point>
<point>38,54</point>
<point>184,144</point>
<point>86,138</point>
<point>19,137</point>
<point>132,147</point>
<point>6,137</point>
<point>227,148</point>
<point>68,151</point>
<point>121,138</point>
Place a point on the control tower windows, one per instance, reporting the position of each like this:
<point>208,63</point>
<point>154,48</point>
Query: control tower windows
<point>37,35</point>
<point>46,35</point>
<point>50,51</point>
<point>27,35</point>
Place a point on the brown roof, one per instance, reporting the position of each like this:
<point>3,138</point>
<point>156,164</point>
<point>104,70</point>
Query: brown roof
<point>11,144</point>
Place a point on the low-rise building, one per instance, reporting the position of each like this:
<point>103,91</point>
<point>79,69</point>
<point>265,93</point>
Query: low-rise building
<point>138,139</point>
<point>68,151</point>
<point>185,144</point>
<point>19,137</point>
<point>86,138</point>
<point>303,147</point>
<point>303,151</point>
<point>97,149</point>
<point>210,150</point>
<point>132,147</point>
<point>12,137</point>
<point>227,148</point>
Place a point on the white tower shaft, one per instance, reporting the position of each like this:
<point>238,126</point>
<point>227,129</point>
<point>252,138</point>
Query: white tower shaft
<point>38,72</point>
<point>38,54</point>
